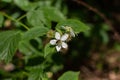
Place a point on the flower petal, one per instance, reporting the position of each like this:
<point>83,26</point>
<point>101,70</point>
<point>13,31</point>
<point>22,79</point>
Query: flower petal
<point>57,35</point>
<point>58,48</point>
<point>64,45</point>
<point>64,37</point>
<point>72,33</point>
<point>53,41</point>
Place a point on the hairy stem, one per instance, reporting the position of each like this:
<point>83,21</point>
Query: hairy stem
<point>21,17</point>
<point>9,17</point>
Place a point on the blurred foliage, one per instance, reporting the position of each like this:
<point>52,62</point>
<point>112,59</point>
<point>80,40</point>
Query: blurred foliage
<point>25,52</point>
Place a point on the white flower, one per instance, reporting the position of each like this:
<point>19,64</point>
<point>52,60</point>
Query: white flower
<point>59,41</point>
<point>70,30</point>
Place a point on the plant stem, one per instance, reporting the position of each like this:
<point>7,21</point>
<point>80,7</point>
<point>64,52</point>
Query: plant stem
<point>21,17</point>
<point>9,17</point>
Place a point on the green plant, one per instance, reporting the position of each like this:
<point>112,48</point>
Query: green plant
<point>32,38</point>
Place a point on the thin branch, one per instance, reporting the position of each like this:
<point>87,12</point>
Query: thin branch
<point>9,17</point>
<point>23,16</point>
<point>107,21</point>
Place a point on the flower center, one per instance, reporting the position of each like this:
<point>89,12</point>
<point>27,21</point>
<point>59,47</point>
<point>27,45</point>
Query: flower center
<point>59,43</point>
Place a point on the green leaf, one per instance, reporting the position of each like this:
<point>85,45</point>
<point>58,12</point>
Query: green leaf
<point>48,50</point>
<point>9,41</point>
<point>43,3</point>
<point>25,5</point>
<point>76,25</point>
<point>35,74</point>
<point>35,32</point>
<point>8,1</point>
<point>36,18</point>
<point>26,48</point>
<point>1,20</point>
<point>30,51</point>
<point>69,75</point>
<point>53,14</point>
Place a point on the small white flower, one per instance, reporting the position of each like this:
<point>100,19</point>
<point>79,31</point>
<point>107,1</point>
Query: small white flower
<point>70,30</point>
<point>59,41</point>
